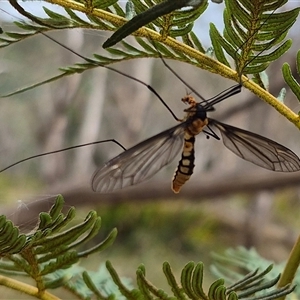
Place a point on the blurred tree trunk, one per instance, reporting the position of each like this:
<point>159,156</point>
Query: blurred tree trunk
<point>53,119</point>
<point>133,99</point>
<point>91,125</point>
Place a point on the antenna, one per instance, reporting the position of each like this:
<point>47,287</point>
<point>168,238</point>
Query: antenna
<point>62,150</point>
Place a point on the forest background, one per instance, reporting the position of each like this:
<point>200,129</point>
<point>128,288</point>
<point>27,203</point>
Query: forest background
<point>227,203</point>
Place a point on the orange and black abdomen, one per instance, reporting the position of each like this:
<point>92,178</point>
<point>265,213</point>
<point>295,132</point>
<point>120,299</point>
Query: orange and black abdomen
<point>196,121</point>
<point>186,164</point>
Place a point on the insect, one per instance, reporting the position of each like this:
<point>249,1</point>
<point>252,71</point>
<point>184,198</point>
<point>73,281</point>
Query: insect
<point>144,160</point>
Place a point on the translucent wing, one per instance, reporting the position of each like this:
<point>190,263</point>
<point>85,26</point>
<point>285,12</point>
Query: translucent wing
<point>258,149</point>
<point>139,162</point>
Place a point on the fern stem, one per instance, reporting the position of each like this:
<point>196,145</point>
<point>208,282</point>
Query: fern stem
<point>25,288</point>
<point>291,267</point>
<point>114,19</point>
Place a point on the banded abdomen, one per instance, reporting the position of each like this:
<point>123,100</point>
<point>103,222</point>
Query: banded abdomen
<point>186,164</point>
<point>198,120</point>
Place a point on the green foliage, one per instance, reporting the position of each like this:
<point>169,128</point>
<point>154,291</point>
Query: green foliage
<point>49,256</point>
<point>290,79</point>
<point>236,262</point>
<point>253,37</point>
<point>261,35</point>
<point>252,286</point>
<point>250,30</point>
<point>181,21</point>
<point>179,24</point>
<point>11,240</point>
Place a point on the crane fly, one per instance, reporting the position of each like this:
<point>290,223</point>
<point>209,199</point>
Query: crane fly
<point>144,160</point>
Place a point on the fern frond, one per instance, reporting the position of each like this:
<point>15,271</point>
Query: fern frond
<point>32,29</point>
<point>241,260</point>
<point>117,55</point>
<point>48,254</point>
<point>92,283</point>
<point>252,286</point>
<point>57,21</point>
<point>53,267</point>
<point>249,29</point>
<point>290,79</point>
<point>11,241</point>
<point>253,34</point>
<point>163,16</point>
<point>253,37</point>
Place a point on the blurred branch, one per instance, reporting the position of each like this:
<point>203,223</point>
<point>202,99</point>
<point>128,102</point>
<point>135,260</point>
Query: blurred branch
<point>206,187</point>
<point>155,190</point>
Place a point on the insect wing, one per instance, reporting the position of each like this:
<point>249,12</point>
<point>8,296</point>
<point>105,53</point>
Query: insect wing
<point>139,162</point>
<point>257,149</point>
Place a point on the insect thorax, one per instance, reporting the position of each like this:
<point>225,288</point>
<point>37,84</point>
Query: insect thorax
<point>196,115</point>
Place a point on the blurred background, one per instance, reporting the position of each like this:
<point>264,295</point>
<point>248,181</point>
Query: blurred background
<point>227,202</point>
